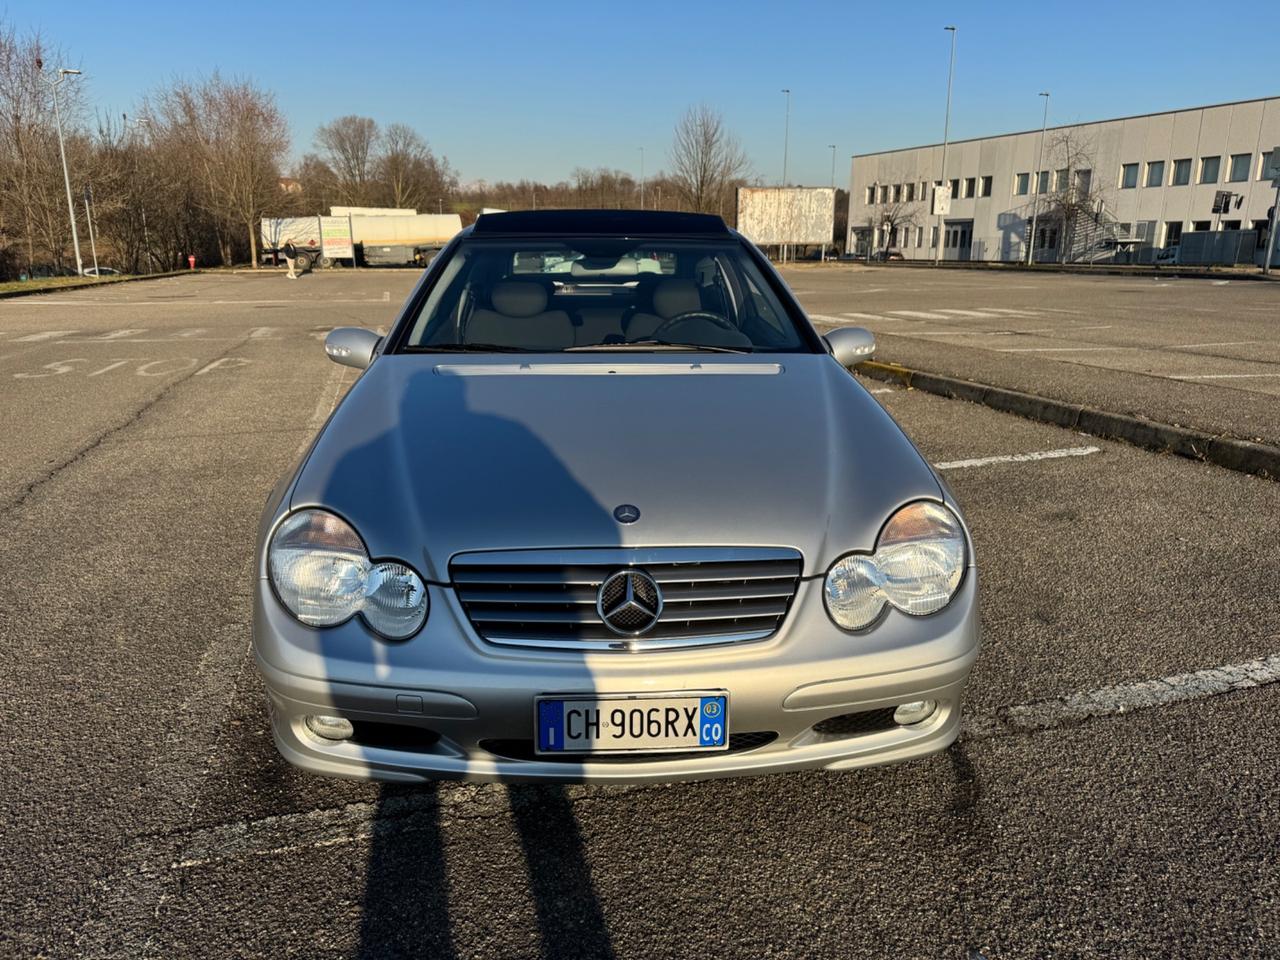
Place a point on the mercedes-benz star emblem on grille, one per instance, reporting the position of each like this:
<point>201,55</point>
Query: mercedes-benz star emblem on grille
<point>626,513</point>
<point>629,602</point>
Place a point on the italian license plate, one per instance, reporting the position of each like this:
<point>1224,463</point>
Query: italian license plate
<point>637,724</point>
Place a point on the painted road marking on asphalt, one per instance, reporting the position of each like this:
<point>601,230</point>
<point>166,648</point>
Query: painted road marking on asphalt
<point>1225,376</point>
<point>1018,458</point>
<point>1225,343</point>
<point>883,390</point>
<point>919,314</point>
<point>979,314</point>
<point>287,833</point>
<point>993,333</point>
<point>1124,698</point>
<point>863,316</point>
<point>46,335</point>
<point>1012,313</point>
<point>1062,349</point>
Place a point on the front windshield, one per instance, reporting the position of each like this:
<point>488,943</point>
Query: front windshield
<point>602,294</point>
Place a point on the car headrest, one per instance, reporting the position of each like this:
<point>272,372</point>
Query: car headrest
<point>519,299</point>
<point>673,297</point>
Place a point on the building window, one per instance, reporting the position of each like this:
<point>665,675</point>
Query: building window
<point>933,237</point>
<point>1021,183</point>
<point>1142,231</point>
<point>1173,231</point>
<point>984,190</point>
<point>1264,166</point>
<point>970,186</point>
<point>1060,181</point>
<point>1042,181</point>
<point>903,234</point>
<point>1239,167</point>
<point>884,193</point>
<point>911,192</point>
<point>1209,169</point>
<point>871,195</point>
<point>1230,224</point>
<point>1155,173</point>
<point>1084,180</point>
<point>1200,226</point>
<point>1128,176</point>
<point>897,193</point>
<point>955,189</point>
<point>1181,173</point>
<point>924,190</point>
<point>919,236</point>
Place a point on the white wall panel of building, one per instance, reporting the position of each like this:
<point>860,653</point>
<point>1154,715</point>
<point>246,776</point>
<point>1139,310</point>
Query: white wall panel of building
<point>1152,207</point>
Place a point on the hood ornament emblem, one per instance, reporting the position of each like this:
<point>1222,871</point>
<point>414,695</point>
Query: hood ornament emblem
<point>626,513</point>
<point>629,602</point>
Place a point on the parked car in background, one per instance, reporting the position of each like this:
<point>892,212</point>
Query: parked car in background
<point>101,272</point>
<point>605,524</point>
<point>884,255</point>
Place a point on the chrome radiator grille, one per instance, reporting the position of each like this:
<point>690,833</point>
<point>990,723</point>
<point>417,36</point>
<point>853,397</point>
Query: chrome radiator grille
<point>550,598</point>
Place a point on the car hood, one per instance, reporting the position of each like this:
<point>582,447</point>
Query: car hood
<point>429,456</point>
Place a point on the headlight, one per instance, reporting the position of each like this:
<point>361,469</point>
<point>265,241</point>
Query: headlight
<point>323,575</point>
<point>917,565</point>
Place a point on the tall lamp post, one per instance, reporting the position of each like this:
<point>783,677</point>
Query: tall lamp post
<point>63,73</point>
<point>641,178</point>
<point>786,146</point>
<point>1035,188</point>
<point>946,136</point>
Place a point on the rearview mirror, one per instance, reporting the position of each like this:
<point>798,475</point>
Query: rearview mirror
<point>851,345</point>
<point>351,346</point>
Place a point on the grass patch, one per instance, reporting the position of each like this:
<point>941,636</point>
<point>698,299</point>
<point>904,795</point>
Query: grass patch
<point>54,283</point>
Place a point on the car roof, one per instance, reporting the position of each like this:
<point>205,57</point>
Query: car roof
<point>608,223</point>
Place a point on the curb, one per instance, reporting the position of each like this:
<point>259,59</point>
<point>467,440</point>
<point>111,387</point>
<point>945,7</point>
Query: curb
<point>1126,270</point>
<point>1244,456</point>
<point>10,294</point>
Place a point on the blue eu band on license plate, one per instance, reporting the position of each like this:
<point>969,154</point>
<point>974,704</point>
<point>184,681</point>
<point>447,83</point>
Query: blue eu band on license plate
<point>633,724</point>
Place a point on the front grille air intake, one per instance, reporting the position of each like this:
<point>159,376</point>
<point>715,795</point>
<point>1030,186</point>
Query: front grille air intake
<point>548,598</point>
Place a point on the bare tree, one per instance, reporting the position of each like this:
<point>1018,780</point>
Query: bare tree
<point>706,160</point>
<point>408,174</point>
<point>1075,203</point>
<point>235,138</point>
<point>348,145</point>
<point>890,217</point>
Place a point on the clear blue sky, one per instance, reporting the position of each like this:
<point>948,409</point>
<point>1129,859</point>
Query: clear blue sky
<point>512,89</point>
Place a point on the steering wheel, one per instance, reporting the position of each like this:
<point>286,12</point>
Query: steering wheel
<point>714,319</point>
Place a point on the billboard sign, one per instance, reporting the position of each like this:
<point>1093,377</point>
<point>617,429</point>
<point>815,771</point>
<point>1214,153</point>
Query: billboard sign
<point>787,215</point>
<point>335,237</point>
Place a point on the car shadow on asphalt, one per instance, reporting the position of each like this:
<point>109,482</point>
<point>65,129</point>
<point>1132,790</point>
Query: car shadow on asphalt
<point>405,910</point>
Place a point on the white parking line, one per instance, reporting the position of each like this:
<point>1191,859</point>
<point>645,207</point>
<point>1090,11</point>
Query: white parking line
<point>1018,458</point>
<point>1225,376</point>
<point>1126,697</point>
<point>919,314</point>
<point>1225,343</point>
<point>1062,349</point>
<point>979,314</point>
<point>863,316</point>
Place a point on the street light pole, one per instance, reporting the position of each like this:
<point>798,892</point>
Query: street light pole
<point>786,146</point>
<point>946,136</point>
<point>88,216</point>
<point>1035,187</point>
<point>63,73</point>
<point>642,178</point>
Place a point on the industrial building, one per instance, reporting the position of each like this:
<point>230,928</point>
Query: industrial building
<point>1135,189</point>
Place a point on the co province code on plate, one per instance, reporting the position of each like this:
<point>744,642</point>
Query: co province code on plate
<point>625,724</point>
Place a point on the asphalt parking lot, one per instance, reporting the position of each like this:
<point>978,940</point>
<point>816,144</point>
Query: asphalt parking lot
<point>1114,793</point>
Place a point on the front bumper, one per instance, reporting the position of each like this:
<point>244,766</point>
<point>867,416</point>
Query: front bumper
<point>455,704</point>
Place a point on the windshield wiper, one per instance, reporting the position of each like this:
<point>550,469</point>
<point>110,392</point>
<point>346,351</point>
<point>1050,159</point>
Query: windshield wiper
<point>469,348</point>
<point>671,344</point>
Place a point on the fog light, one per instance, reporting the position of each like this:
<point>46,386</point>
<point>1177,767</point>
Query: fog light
<point>914,712</point>
<point>334,728</point>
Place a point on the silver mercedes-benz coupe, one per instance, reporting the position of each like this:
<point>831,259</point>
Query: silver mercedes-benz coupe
<point>604,507</point>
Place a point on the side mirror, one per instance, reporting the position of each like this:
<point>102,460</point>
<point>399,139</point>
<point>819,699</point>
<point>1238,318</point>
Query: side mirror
<point>351,346</point>
<point>851,345</point>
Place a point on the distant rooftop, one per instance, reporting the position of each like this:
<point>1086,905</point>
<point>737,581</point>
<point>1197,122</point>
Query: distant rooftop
<point>1067,126</point>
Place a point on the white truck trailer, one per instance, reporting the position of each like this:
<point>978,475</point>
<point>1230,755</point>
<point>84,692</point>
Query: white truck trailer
<point>372,236</point>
